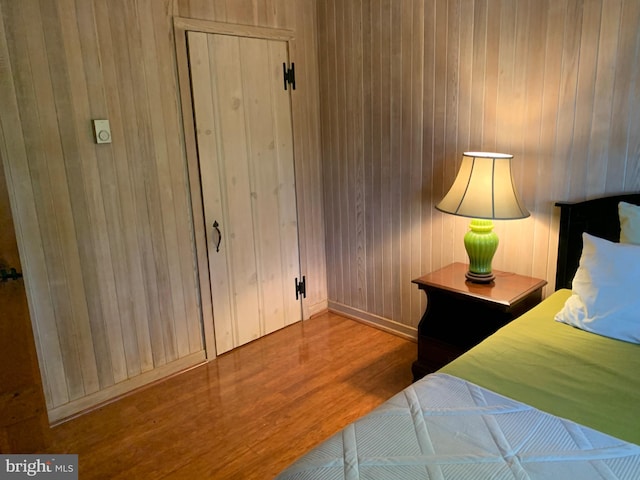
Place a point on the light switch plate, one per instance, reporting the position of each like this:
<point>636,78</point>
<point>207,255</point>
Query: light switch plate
<point>102,131</point>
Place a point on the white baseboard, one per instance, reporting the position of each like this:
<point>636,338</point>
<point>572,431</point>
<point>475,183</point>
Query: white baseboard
<point>410,333</point>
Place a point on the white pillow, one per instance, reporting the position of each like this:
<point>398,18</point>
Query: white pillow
<point>629,223</point>
<point>606,290</point>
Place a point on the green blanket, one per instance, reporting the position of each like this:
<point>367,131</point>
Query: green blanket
<point>587,378</point>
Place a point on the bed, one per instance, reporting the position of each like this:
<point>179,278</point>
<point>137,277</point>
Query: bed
<point>554,394</point>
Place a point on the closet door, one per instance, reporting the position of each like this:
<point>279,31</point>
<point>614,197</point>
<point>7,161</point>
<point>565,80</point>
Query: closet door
<point>245,148</point>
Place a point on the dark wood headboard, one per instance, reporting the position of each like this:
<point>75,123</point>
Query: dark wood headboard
<point>599,217</point>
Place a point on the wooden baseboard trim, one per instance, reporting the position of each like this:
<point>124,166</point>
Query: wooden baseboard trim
<point>404,331</point>
<point>98,399</point>
<point>314,310</point>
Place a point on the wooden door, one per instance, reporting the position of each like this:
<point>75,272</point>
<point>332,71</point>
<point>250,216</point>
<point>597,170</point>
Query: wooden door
<point>245,147</point>
<point>23,415</point>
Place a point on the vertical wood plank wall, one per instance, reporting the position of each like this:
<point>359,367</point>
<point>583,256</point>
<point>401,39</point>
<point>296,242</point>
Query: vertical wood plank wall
<point>105,231</point>
<point>407,85</point>
<point>402,89</point>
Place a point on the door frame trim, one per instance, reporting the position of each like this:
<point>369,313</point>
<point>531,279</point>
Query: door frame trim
<point>181,26</point>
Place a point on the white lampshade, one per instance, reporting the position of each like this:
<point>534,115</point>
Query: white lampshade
<point>484,188</point>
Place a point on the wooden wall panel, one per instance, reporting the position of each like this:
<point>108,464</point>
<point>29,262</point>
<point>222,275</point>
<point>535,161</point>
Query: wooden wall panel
<point>553,82</point>
<point>106,229</point>
<point>107,233</point>
<point>307,154</point>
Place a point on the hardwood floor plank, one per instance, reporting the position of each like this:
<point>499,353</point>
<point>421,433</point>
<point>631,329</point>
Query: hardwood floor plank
<point>248,413</point>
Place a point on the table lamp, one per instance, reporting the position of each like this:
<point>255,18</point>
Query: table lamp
<point>483,190</point>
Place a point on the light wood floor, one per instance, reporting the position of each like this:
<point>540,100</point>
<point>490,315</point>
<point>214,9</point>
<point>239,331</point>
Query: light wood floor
<point>247,414</point>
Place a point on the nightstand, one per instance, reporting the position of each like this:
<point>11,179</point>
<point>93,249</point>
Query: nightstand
<point>461,314</point>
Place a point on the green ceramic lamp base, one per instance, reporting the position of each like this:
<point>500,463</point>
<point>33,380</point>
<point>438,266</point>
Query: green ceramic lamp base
<point>481,243</point>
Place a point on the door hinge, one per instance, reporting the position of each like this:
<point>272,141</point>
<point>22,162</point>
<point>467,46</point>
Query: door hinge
<point>301,288</point>
<point>289,75</point>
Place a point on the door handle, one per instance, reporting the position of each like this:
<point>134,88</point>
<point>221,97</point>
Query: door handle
<point>11,274</point>
<point>216,225</point>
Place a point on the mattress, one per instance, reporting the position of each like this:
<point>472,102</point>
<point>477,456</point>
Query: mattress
<point>446,427</point>
<point>590,379</point>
